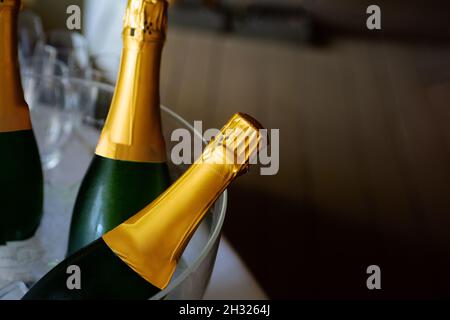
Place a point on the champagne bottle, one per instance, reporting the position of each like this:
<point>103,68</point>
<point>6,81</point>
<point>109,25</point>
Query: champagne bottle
<point>138,258</point>
<point>129,168</point>
<point>21,183</point>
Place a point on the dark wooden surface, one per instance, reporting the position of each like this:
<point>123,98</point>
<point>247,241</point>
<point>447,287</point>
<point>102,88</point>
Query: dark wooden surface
<point>364,151</point>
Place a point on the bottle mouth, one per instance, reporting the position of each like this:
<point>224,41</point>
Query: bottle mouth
<point>237,143</point>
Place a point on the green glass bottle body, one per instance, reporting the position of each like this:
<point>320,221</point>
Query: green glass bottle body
<point>102,276</point>
<point>111,192</point>
<point>21,186</point>
<point>21,182</point>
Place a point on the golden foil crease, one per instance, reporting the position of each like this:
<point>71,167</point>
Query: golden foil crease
<point>14,113</point>
<point>132,131</point>
<point>152,241</point>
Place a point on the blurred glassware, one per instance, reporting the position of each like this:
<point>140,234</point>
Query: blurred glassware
<point>31,33</point>
<point>53,108</point>
<point>107,64</point>
<point>88,99</point>
<point>45,64</point>
<point>72,49</point>
<point>45,51</point>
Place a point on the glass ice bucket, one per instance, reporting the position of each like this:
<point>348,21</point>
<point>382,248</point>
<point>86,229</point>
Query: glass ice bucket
<point>67,116</point>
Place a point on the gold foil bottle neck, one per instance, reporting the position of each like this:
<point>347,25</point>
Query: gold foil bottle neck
<point>152,241</point>
<point>237,140</point>
<point>132,131</point>
<point>14,113</point>
<point>146,20</point>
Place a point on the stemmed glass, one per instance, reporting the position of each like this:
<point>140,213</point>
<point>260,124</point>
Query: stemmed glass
<point>31,33</point>
<point>52,107</point>
<point>72,49</point>
<point>56,105</point>
<point>107,64</point>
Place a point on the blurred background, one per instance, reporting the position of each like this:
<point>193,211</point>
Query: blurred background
<point>364,129</point>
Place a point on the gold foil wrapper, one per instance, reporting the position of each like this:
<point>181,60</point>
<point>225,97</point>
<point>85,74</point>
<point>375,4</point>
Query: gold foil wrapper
<point>146,20</point>
<point>132,131</point>
<point>14,113</point>
<point>152,241</point>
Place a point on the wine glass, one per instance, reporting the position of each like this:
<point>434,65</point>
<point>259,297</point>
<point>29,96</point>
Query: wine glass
<point>72,49</point>
<point>107,64</point>
<point>52,107</point>
<point>31,33</point>
<point>43,64</point>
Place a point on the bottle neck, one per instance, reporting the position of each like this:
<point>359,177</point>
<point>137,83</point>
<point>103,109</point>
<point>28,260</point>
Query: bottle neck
<point>132,130</point>
<point>152,241</point>
<point>14,114</point>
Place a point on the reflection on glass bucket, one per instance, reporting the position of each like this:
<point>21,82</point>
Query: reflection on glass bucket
<point>78,128</point>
